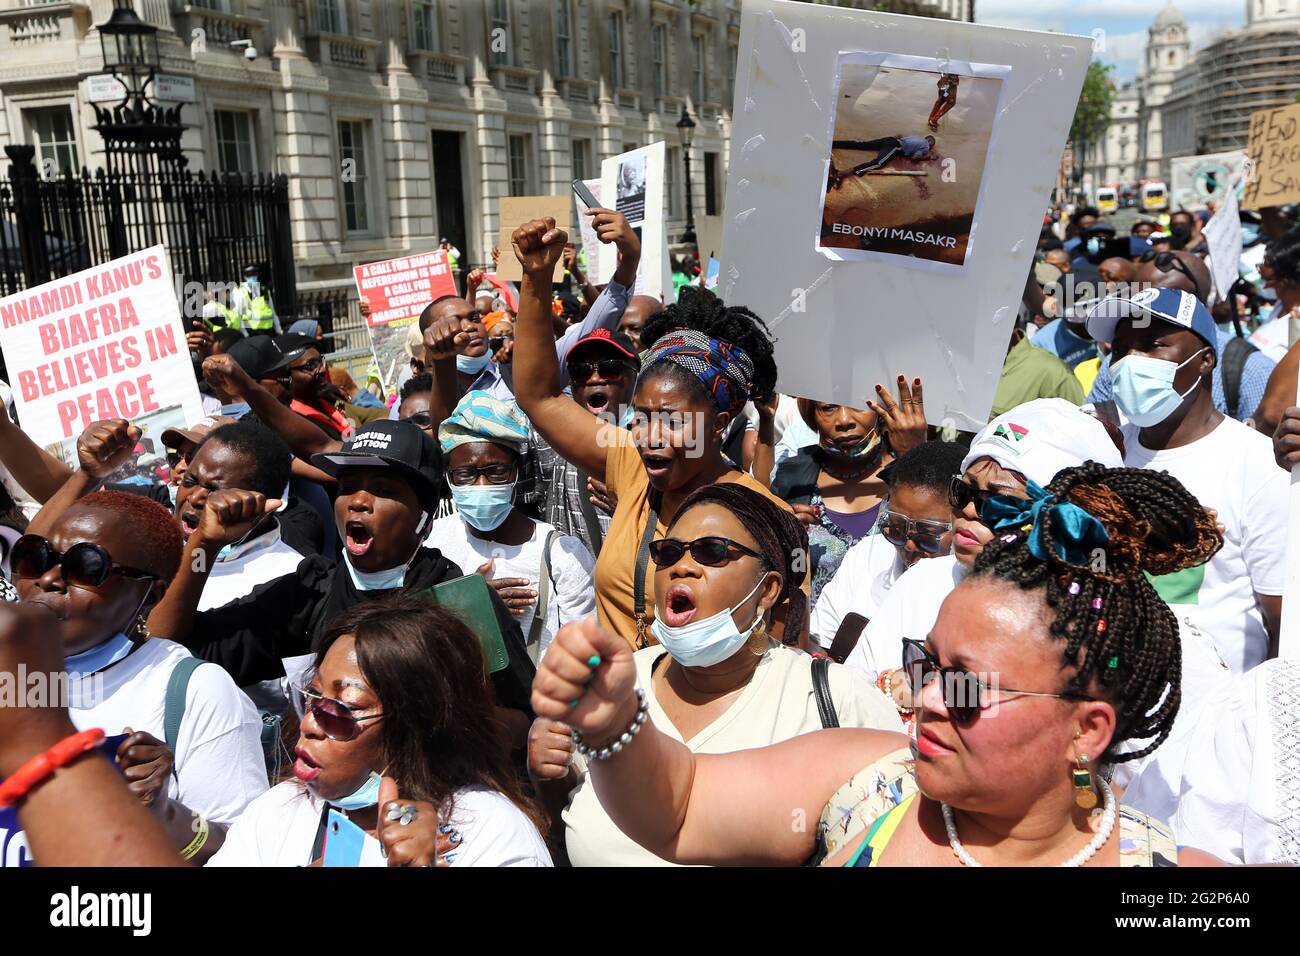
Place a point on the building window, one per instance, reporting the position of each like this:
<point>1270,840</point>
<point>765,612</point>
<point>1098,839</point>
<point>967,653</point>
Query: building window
<point>500,42</point>
<point>582,159</point>
<point>563,39</point>
<point>616,49</point>
<point>672,162</point>
<point>518,158</point>
<point>424,32</point>
<point>710,184</point>
<point>56,139</point>
<point>331,17</point>
<point>659,41</point>
<point>353,167</point>
<point>697,42</point>
<point>234,131</point>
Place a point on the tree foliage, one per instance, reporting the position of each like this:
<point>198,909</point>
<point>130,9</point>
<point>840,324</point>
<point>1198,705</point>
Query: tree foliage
<point>1092,114</point>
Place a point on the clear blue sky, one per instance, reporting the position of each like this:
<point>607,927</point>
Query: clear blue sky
<point>1125,22</point>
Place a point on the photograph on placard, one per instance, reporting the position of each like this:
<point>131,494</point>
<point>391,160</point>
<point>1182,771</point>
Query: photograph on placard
<point>908,149</point>
<point>630,195</point>
<point>149,463</point>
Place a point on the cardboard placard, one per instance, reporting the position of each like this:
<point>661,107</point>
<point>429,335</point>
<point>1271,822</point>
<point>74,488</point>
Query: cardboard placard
<point>106,342</point>
<point>1273,154</point>
<point>847,318</point>
<point>517,210</point>
<point>708,237</point>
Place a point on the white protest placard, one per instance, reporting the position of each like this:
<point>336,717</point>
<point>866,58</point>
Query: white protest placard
<point>945,140</point>
<point>103,343</point>
<point>1196,181</point>
<point>590,244</point>
<point>397,291</point>
<point>1223,236</point>
<point>635,180</point>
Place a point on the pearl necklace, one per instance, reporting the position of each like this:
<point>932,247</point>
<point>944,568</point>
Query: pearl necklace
<point>1083,856</point>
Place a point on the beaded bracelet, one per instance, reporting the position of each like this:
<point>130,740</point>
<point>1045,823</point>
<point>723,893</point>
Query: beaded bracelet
<point>25,778</point>
<point>625,738</point>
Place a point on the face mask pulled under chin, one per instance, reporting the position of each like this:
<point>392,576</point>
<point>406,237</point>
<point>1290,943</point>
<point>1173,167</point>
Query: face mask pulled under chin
<point>366,795</point>
<point>386,580</point>
<point>708,641</point>
<point>472,365</point>
<point>1144,388</point>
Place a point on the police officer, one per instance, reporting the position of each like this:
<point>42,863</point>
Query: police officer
<point>253,304</point>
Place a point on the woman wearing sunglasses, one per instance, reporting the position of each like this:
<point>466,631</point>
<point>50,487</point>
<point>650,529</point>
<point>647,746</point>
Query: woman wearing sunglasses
<point>835,487</point>
<point>1039,674</point>
<point>544,577</point>
<point>396,732</point>
<point>916,522</point>
<point>99,565</point>
<point>717,682</point>
<point>1030,443</point>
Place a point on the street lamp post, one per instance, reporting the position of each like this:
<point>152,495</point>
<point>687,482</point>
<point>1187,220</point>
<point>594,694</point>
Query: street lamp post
<point>686,128</point>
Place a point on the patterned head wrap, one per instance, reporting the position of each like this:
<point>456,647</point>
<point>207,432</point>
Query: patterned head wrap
<point>480,417</point>
<point>726,371</point>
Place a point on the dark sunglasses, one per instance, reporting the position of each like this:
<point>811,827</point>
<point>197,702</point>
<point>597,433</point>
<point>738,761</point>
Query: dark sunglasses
<point>961,493</point>
<point>926,534</point>
<point>311,365</point>
<point>84,565</point>
<point>1167,261</point>
<point>421,419</point>
<point>337,720</point>
<point>608,368</point>
<point>495,344</point>
<point>711,551</point>
<point>964,693</point>
<point>495,474</point>
<point>417,365</point>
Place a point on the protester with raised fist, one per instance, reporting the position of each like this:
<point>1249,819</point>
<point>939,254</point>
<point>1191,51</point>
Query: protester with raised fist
<point>101,563</point>
<point>397,733</point>
<point>717,681</point>
<point>1011,772</point>
<point>705,360</point>
<point>390,486</point>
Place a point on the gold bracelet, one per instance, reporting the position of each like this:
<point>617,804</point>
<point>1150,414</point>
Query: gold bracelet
<point>200,838</point>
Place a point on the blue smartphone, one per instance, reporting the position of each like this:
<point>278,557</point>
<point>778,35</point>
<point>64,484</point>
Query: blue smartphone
<point>344,841</point>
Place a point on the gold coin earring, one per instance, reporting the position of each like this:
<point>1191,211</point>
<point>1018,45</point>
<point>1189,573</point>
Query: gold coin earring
<point>1084,794</point>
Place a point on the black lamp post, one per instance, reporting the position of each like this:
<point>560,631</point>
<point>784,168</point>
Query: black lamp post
<point>686,127</point>
<point>130,48</point>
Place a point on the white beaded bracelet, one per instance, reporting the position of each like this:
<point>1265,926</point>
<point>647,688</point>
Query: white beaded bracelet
<point>625,738</point>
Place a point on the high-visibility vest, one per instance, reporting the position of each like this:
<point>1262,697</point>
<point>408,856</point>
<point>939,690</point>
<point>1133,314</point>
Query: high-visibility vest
<point>223,317</point>
<point>261,317</point>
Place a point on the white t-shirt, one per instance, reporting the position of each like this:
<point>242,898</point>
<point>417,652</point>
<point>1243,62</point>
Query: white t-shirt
<point>1231,470</point>
<point>1230,781</point>
<point>778,704</point>
<point>860,584</point>
<point>219,763</point>
<point>909,610</point>
<point>255,562</point>
<point>279,829</point>
<point>1273,337</point>
<point>573,593</point>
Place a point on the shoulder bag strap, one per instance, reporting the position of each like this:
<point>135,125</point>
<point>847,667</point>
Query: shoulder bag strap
<point>174,702</point>
<point>846,636</point>
<point>822,691</point>
<point>642,561</point>
<point>589,518</point>
<point>1235,354</point>
<point>543,590</point>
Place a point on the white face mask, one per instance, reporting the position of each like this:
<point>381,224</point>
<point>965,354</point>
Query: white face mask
<point>386,580</point>
<point>709,641</point>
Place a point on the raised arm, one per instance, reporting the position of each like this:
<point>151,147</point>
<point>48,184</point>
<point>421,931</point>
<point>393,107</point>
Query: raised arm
<point>303,438</point>
<point>101,450</point>
<point>38,472</point>
<point>607,309</point>
<point>575,433</point>
<point>83,814</point>
<point>688,808</point>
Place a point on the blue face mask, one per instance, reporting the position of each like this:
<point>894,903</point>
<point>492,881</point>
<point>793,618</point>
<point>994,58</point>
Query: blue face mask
<point>366,795</point>
<point>625,419</point>
<point>253,285</point>
<point>1249,233</point>
<point>1094,246</point>
<point>709,641</point>
<point>484,507</point>
<point>171,493</point>
<point>99,656</point>
<point>386,580</point>
<point>1144,388</point>
<point>472,366</point>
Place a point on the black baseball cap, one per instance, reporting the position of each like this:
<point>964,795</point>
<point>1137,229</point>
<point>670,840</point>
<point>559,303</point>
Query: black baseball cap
<point>257,355</point>
<point>400,446</point>
<point>610,338</point>
<point>293,344</point>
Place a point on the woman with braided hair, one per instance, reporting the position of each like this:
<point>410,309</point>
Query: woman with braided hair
<point>705,360</point>
<point>717,682</point>
<point>1054,659</point>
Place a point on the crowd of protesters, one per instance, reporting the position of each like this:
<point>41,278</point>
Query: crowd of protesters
<point>583,588</point>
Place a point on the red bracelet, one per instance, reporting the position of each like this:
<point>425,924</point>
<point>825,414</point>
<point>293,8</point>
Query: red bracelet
<point>34,771</point>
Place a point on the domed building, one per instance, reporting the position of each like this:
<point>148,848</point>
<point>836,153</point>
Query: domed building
<point>1168,50</point>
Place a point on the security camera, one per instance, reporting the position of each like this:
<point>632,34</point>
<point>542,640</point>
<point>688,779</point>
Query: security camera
<point>250,51</point>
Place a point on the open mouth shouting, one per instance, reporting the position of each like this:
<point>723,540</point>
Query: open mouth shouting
<point>596,400</point>
<point>357,537</point>
<point>189,519</point>
<point>679,606</point>
<point>304,768</point>
<point>658,462</point>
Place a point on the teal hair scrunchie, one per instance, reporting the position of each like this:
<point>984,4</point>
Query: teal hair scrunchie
<point>1075,533</point>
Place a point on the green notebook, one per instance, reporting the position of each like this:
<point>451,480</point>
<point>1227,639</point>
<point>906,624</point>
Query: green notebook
<point>470,599</point>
